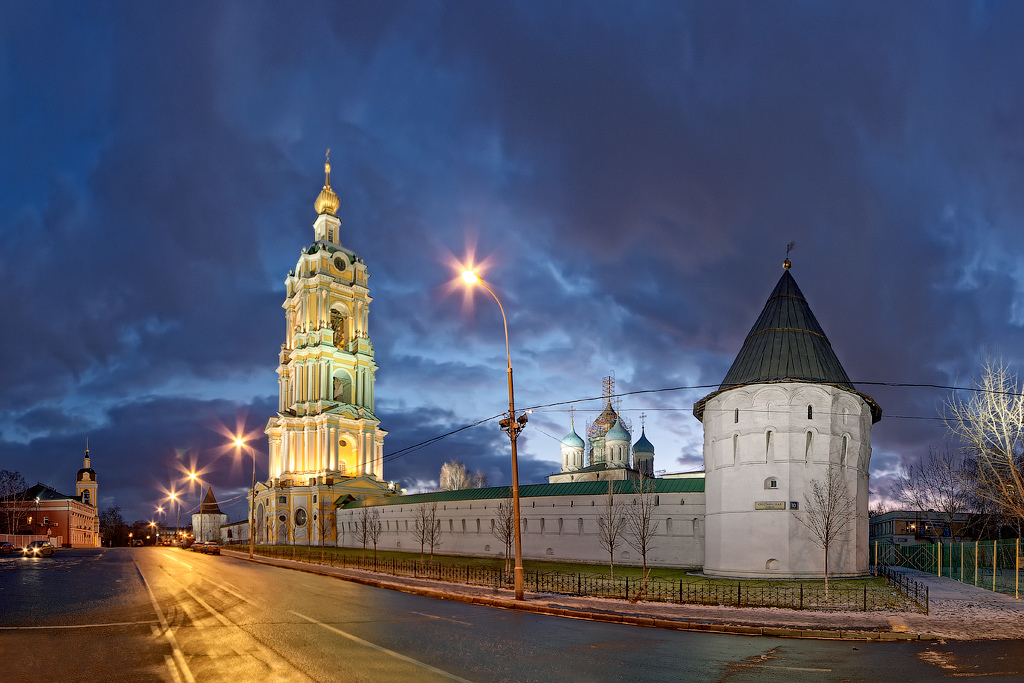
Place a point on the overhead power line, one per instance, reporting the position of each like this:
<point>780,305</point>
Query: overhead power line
<point>540,407</point>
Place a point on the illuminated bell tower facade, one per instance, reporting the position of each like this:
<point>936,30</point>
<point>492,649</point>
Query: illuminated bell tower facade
<point>325,426</point>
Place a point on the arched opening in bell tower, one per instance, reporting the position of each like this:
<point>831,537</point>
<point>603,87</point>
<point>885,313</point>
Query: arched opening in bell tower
<point>342,386</point>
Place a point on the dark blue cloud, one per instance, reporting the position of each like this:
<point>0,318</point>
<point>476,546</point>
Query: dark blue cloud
<point>630,176</point>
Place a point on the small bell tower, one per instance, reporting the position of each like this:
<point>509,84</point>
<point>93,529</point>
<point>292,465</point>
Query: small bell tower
<point>85,485</point>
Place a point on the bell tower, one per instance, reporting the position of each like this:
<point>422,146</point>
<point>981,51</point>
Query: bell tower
<point>325,424</point>
<point>85,485</point>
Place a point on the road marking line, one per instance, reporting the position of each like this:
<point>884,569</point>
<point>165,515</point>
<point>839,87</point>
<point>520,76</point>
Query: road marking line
<point>379,648</point>
<point>113,623</point>
<point>179,657</point>
<point>169,661</point>
<point>434,616</point>
<point>770,666</point>
<point>270,657</point>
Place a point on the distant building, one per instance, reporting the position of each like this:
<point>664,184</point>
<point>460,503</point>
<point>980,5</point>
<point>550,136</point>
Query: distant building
<point>41,511</point>
<point>207,522</point>
<point>915,527</point>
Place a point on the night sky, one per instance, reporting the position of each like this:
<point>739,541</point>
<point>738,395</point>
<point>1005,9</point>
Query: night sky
<point>627,175</point>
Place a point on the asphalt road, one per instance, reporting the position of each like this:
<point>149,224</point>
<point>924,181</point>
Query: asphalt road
<point>165,614</point>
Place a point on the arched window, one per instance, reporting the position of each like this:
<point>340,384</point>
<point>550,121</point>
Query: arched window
<point>842,458</point>
<point>808,447</point>
<point>810,413</point>
<point>768,445</point>
<point>559,525</point>
<point>668,526</point>
<point>735,415</point>
<point>771,483</point>
<point>579,523</point>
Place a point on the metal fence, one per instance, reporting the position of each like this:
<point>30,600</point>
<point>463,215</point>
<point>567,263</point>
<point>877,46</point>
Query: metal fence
<point>891,596</point>
<point>994,565</point>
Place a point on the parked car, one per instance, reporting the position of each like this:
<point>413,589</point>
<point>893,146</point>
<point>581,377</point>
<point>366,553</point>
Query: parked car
<point>137,543</point>
<point>6,547</point>
<point>39,549</point>
<point>198,546</point>
<point>211,548</point>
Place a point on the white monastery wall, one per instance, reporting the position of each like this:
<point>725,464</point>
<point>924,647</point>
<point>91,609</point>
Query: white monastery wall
<point>554,528</point>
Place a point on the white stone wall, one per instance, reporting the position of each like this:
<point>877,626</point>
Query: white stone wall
<point>554,528</point>
<point>759,433</point>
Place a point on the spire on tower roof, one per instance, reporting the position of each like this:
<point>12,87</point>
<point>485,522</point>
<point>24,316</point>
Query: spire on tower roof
<point>327,202</point>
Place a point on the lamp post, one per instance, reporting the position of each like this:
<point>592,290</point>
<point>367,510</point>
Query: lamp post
<point>240,444</point>
<point>193,477</point>
<point>511,425</point>
<point>177,523</point>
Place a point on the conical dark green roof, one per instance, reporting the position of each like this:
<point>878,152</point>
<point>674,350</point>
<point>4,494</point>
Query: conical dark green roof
<point>786,344</point>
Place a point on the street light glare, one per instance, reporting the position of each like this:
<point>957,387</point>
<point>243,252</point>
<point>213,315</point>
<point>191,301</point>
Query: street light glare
<point>239,442</point>
<point>470,277</point>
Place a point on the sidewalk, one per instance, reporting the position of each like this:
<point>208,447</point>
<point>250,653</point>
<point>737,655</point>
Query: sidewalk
<point>957,611</point>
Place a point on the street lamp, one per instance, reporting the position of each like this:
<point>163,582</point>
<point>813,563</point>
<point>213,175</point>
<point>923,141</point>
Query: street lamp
<point>240,444</point>
<point>177,523</point>
<point>193,478</point>
<point>511,425</point>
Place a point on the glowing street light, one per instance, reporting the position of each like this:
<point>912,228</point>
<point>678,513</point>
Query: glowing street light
<point>239,445</point>
<point>193,477</point>
<point>511,425</point>
<point>177,523</point>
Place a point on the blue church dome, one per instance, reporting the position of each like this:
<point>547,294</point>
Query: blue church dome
<point>642,445</point>
<point>572,440</point>
<point>617,433</point>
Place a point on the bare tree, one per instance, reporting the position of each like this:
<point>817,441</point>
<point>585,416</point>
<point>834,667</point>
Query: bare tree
<point>503,528</point>
<point>938,485</point>
<point>113,529</point>
<point>324,523</point>
<point>611,524</point>
<point>427,529</point>
<point>375,531</point>
<point>989,424</point>
<point>363,525</point>
<point>479,480</point>
<point>12,490</point>
<point>454,477</point>
<point>878,509</point>
<point>829,512</point>
<point>640,523</point>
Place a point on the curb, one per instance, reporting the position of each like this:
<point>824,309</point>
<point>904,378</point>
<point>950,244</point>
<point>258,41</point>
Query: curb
<point>609,617</point>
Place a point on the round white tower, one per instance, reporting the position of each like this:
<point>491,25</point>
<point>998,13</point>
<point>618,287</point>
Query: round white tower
<point>784,416</point>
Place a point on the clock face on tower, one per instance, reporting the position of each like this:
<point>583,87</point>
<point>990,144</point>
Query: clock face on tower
<point>340,263</point>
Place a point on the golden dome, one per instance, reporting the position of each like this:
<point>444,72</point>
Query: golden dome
<point>327,202</point>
